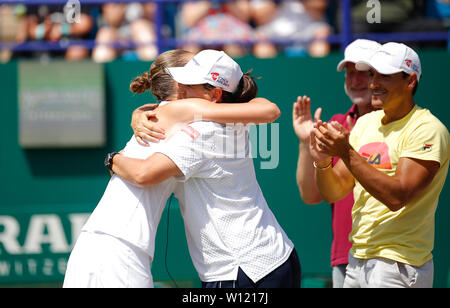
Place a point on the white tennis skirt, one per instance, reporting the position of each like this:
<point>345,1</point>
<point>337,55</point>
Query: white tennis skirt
<point>99,260</point>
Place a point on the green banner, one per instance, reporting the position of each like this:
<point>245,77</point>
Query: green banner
<point>61,104</point>
<point>43,190</point>
<point>35,248</point>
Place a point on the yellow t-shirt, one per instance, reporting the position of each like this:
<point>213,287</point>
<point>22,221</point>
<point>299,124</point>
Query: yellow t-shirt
<point>406,235</point>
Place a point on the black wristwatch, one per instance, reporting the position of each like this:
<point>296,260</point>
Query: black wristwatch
<point>109,160</point>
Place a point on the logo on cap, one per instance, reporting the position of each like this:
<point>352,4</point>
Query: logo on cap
<point>217,78</point>
<point>408,62</point>
<point>214,76</point>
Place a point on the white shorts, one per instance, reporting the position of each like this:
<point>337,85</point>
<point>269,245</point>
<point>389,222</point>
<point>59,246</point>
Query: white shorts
<point>102,261</point>
<point>384,273</point>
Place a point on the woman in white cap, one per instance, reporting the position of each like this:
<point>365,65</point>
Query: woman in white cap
<point>233,237</point>
<point>116,245</point>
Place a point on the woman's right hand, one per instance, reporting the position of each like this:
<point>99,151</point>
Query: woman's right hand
<point>144,126</point>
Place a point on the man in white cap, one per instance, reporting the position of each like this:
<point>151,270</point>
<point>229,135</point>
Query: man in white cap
<point>357,88</point>
<point>396,162</point>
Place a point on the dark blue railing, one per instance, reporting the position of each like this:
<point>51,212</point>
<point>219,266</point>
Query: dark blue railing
<point>343,38</point>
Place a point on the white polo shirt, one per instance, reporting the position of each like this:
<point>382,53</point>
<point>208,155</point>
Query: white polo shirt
<point>129,212</point>
<point>227,220</point>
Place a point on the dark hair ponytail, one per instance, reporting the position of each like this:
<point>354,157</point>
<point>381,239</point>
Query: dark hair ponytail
<point>157,80</point>
<point>140,84</point>
<point>246,90</point>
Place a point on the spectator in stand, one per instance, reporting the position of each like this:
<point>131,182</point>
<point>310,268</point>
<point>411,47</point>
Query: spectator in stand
<point>49,23</point>
<point>125,22</point>
<point>12,27</point>
<point>302,20</point>
<point>393,13</point>
<point>401,16</point>
<point>215,25</point>
<point>440,10</point>
<point>262,12</point>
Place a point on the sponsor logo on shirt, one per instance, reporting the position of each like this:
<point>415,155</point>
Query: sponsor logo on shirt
<point>427,146</point>
<point>376,154</point>
<point>191,132</point>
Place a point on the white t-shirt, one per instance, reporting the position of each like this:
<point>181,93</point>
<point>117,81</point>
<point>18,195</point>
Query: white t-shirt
<point>129,212</point>
<point>228,222</point>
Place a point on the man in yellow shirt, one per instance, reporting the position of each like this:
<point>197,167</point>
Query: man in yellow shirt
<point>396,161</point>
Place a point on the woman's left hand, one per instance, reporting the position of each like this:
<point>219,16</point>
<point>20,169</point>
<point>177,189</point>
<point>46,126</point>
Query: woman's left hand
<point>145,128</point>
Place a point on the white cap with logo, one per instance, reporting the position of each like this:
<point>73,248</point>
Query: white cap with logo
<point>393,58</point>
<point>209,66</point>
<point>358,50</point>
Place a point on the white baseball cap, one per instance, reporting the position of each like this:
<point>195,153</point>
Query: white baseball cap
<point>358,50</point>
<point>393,58</point>
<point>209,66</point>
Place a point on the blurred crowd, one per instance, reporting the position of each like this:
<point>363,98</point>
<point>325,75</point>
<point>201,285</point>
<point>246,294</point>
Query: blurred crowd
<point>264,28</point>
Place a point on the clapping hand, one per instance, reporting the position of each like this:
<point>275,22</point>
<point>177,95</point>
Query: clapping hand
<point>329,139</point>
<point>302,119</point>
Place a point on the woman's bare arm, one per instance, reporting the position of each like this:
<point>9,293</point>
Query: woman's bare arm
<point>145,172</point>
<point>145,124</point>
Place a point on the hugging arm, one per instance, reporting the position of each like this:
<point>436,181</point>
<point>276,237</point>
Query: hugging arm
<point>258,110</point>
<point>142,125</point>
<point>151,171</point>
